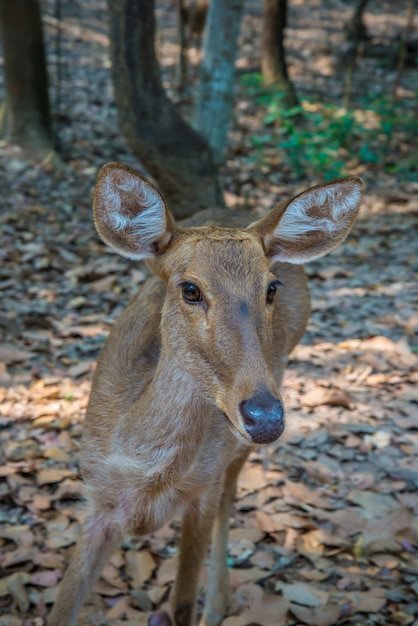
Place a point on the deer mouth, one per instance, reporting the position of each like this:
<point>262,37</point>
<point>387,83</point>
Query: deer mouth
<point>264,435</point>
<point>238,434</point>
<point>268,433</point>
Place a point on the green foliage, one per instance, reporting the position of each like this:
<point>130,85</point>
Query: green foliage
<point>325,141</point>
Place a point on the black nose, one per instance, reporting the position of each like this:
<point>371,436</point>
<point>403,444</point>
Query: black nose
<point>263,417</point>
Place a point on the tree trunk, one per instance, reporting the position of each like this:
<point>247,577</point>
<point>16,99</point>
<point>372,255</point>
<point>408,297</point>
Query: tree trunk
<point>355,29</point>
<point>215,98</point>
<point>356,34</point>
<point>28,115</point>
<point>183,44</point>
<point>402,51</point>
<point>273,62</point>
<point>177,157</point>
<point>191,19</point>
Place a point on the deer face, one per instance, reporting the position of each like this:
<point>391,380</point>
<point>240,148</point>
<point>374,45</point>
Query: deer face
<point>217,317</point>
<point>217,322</point>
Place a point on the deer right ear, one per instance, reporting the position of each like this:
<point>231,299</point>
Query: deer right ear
<point>130,214</point>
<point>313,223</point>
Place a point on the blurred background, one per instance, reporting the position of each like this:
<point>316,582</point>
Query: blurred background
<point>238,105</point>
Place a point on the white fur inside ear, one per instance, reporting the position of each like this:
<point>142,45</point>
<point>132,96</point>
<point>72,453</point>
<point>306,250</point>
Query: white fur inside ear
<point>330,207</point>
<point>132,193</point>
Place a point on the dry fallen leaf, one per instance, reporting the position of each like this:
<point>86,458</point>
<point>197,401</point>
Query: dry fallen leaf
<point>139,566</point>
<point>304,594</point>
<point>18,592</point>
<point>373,504</point>
<point>321,616</point>
<point>167,570</point>
<point>49,475</point>
<point>61,533</point>
<point>124,609</point>
<point>47,578</point>
<point>263,560</point>
<point>310,546</point>
<point>366,602</point>
<point>10,354</point>
<point>333,396</point>
<point>259,608</point>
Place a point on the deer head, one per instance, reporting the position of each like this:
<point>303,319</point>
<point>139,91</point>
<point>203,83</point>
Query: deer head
<point>221,301</point>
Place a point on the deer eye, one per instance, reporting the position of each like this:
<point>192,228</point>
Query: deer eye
<point>271,292</point>
<point>191,293</point>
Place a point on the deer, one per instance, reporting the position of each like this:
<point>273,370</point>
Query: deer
<point>188,382</point>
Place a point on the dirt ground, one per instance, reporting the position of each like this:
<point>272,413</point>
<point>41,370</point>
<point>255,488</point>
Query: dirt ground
<point>325,528</point>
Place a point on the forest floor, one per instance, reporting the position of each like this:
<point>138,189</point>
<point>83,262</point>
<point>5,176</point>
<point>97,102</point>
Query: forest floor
<point>325,528</point>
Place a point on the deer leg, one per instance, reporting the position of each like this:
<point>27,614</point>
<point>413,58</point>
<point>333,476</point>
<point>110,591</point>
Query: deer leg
<point>195,537</point>
<point>92,550</point>
<point>218,594</point>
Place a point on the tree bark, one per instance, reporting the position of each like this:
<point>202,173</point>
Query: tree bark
<point>215,98</point>
<point>191,19</point>
<point>177,157</point>
<point>355,29</point>
<point>273,61</point>
<point>28,114</point>
<point>183,44</point>
<point>356,34</point>
<point>402,51</point>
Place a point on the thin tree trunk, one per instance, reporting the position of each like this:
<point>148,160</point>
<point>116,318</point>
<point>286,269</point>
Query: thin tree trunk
<point>356,34</point>
<point>402,52</point>
<point>28,114</point>
<point>58,72</point>
<point>183,44</point>
<point>174,154</point>
<point>355,29</point>
<point>273,62</point>
<point>215,98</point>
<point>401,65</point>
<point>191,18</point>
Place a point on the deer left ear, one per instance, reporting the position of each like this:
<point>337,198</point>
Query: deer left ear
<point>311,224</point>
<point>130,214</point>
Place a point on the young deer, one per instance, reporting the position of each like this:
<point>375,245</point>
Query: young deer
<point>188,381</point>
